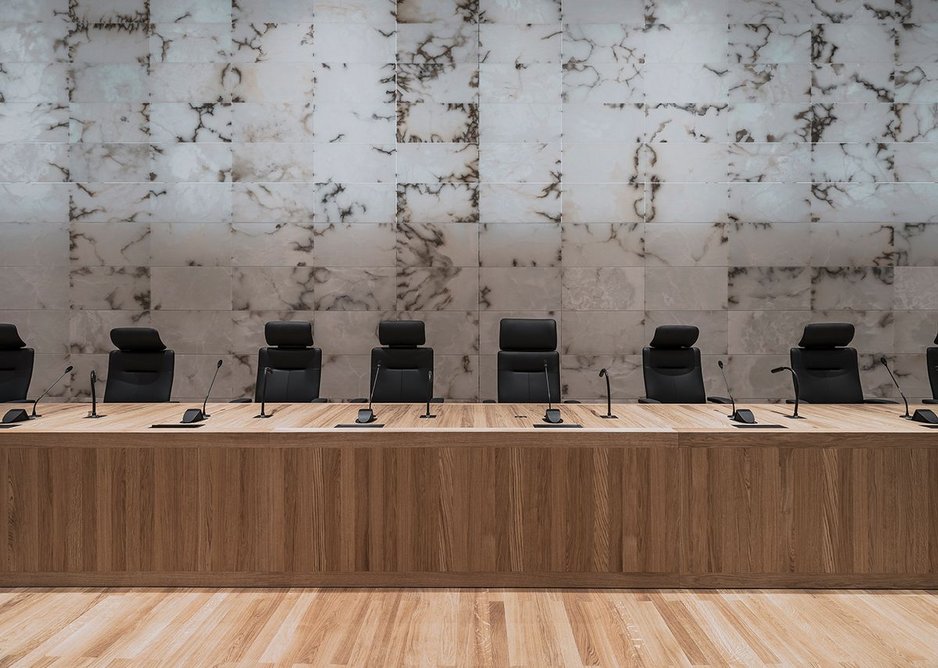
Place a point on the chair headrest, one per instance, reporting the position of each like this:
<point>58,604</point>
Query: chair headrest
<point>827,335</point>
<point>10,338</point>
<point>402,333</point>
<point>137,339</point>
<point>674,336</point>
<point>289,334</point>
<point>530,334</point>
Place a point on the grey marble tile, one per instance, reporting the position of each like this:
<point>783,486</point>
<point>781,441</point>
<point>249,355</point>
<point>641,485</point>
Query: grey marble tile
<point>354,245</point>
<point>354,43</point>
<point>850,42</point>
<point>273,288</point>
<point>611,203</point>
<point>522,83</point>
<point>852,245</point>
<point>437,163</point>
<point>33,245</point>
<point>203,83</point>
<point>579,377</point>
<point>109,202</point>
<point>685,43</point>
<point>40,82</point>
<point>187,245</point>
<point>915,288</point>
<point>774,83</point>
<point>192,203</point>
<point>443,245</point>
<point>269,162</point>
<point>703,162</point>
<point>256,42</point>
<point>687,203</point>
<point>603,244</point>
<point>190,122</point>
<point>683,83</point>
<point>686,123</point>
<point>520,288</point>
<point>850,288</point>
<point>765,43</point>
<point>109,162</point>
<point>684,288</point>
<point>760,122</point>
<point>599,83</point>
<point>769,288</point>
<point>509,11</point>
<point>106,122</point>
<point>437,83</point>
<point>532,42</point>
<point>685,11</point>
<point>109,244</point>
<point>185,332</point>
<point>373,12</point>
<point>770,11</point>
<point>285,11</point>
<point>520,163</point>
<point>354,289</point>
<point>437,288</point>
<point>916,122</point>
<point>864,163</point>
<point>437,122</point>
<point>438,43</point>
<point>190,11</point>
<point>610,11</point>
<point>269,202</point>
<point>530,122</point>
<point>603,333</point>
<point>444,202</point>
<point>353,203</point>
<point>419,11</point>
<point>916,244</point>
<point>604,163</point>
<point>768,244</point>
<point>770,202</point>
<point>775,162</point>
<point>686,244</point>
<point>451,333</point>
<point>854,83</point>
<point>914,330</point>
<point>519,245</point>
<point>32,163</point>
<point>604,288</point>
<point>174,163</point>
<point>116,288</point>
<point>519,203</point>
<point>272,245</point>
<point>369,123</point>
<point>33,121</point>
<point>37,288</point>
<point>34,42</point>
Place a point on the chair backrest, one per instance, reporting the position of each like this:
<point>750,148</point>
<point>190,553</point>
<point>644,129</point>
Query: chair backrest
<point>526,344</point>
<point>671,366</point>
<point>141,369</point>
<point>16,364</point>
<point>828,371</point>
<point>405,365</point>
<point>296,364</point>
<point>931,359</point>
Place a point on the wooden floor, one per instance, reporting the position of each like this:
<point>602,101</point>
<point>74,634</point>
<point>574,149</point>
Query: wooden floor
<point>199,627</point>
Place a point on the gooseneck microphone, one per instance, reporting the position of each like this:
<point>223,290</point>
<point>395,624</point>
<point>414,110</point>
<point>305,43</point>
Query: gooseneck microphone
<point>20,414</point>
<point>367,415</point>
<point>266,375</point>
<point>551,415</point>
<point>428,415</point>
<point>605,374</point>
<point>882,360</point>
<point>197,415</point>
<point>94,396</point>
<point>794,382</point>
<point>67,371</point>
<point>743,415</point>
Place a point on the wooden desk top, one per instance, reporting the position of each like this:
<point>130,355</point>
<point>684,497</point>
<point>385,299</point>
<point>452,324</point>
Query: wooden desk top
<point>457,417</point>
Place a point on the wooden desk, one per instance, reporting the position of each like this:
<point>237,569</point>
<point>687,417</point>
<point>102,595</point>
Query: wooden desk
<point>664,496</point>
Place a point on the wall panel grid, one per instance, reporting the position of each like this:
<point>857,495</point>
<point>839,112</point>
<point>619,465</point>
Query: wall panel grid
<point>203,167</point>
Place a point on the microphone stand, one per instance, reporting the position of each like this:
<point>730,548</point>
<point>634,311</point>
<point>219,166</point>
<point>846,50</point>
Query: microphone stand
<point>743,415</point>
<point>94,397</point>
<point>34,415</point>
<point>608,416</point>
<point>427,415</point>
<point>196,415</point>
<point>267,372</point>
<point>367,415</point>
<point>906,415</point>
<point>794,381</point>
<point>551,415</point>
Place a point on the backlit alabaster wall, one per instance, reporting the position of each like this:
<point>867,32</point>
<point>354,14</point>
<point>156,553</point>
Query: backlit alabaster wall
<point>203,166</point>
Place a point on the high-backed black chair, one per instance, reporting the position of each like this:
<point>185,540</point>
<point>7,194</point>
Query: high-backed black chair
<point>931,360</point>
<point>16,364</point>
<point>141,369</point>
<point>405,364</point>
<point>296,366</point>
<point>828,369</point>
<point>671,367</point>
<point>525,346</point>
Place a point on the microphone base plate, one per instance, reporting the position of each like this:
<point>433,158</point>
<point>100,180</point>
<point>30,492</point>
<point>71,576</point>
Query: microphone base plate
<point>261,417</point>
<point>796,417</point>
<point>609,417</point>
<point>427,417</point>
<point>93,417</point>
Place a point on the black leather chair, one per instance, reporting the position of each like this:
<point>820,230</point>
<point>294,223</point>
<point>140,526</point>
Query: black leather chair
<point>16,364</point>
<point>931,360</point>
<point>671,367</point>
<point>828,370</point>
<point>296,366</point>
<point>141,369</point>
<point>405,364</point>
<point>525,345</point>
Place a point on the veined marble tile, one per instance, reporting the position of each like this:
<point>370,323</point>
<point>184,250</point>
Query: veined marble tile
<point>191,42</point>
<point>854,43</point>
<point>770,11</point>
<point>524,43</point>
<point>104,122</point>
<point>422,11</point>
<point>203,83</point>
<point>123,42</point>
<point>193,203</point>
<point>187,245</point>
<point>580,380</point>
<point>759,122</point>
<point>273,288</point>
<point>603,333</point>
<point>190,11</point>
<point>109,244</point>
<point>373,12</point>
<point>770,202</point>
<point>369,123</point>
<point>684,83</point>
<point>751,380</point>
<point>913,11</point>
<point>354,203</point>
<point>437,163</point>
<point>190,122</point>
<point>603,82</point>
<point>457,376</point>
<point>109,162</point>
<point>611,11</point>
<point>687,203</point>
<point>89,332</point>
<point>712,325</point>
<point>604,288</point>
<point>851,288</point>
<point>704,162</point>
<point>33,203</point>
<point>852,245</point>
<point>354,289</point>
<point>448,332</point>
<point>33,245</point>
<point>41,10</point>
<point>355,83</point>
<point>272,82</point>
<point>598,122</point>
<point>519,203</point>
<point>354,245</point>
<point>684,288</point>
<point>336,332</point>
<point>869,82</point>
<point>37,288</point>
<point>34,42</point>
<point>512,11</point>
<point>855,11</point>
<point>440,43</point>
<point>445,202</point>
<point>35,82</point>
<point>191,288</point>
<point>444,288</point>
<point>437,83</point>
<point>778,162</point>
<point>766,332</point>
<point>273,202</point>
<point>116,288</point>
<point>915,288</point>
<point>29,121</point>
<point>110,202</point>
<point>607,42</point>
<point>519,245</point>
<point>768,84</point>
<point>34,162</point>
<point>437,122</point>
<point>108,11</point>
<point>914,162</point>
<point>764,43</point>
<point>262,11</point>
<point>686,244</point>
<point>685,43</point>
<point>533,83</point>
<point>348,379</point>
<point>191,162</point>
<point>917,83</point>
<point>597,203</point>
<point>853,203</point>
<point>686,123</point>
<point>916,122</point>
<point>520,163</point>
<point>844,122</point>
<point>685,11</point>
<point>914,330</point>
<point>603,245</point>
<point>604,163</point>
<point>444,245</point>
<point>520,288</point>
<point>767,244</point>
<point>916,244</point>
<point>257,42</point>
<point>271,162</point>
<point>875,330</point>
<point>769,288</point>
<point>184,332</point>
<point>355,42</point>
<point>272,245</point>
<point>521,122</point>
<point>48,329</point>
<point>190,384</point>
<point>281,122</point>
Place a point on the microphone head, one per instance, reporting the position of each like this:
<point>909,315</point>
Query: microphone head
<point>602,372</point>
<point>720,363</point>
<point>777,369</point>
<point>218,365</point>
<point>882,360</point>
<point>94,375</point>
<point>69,368</point>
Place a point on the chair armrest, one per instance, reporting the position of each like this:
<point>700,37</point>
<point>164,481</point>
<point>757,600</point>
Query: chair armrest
<point>571,401</point>
<point>242,400</point>
<point>880,401</point>
<point>719,400</point>
<point>319,400</point>
<point>930,401</point>
<point>646,400</point>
